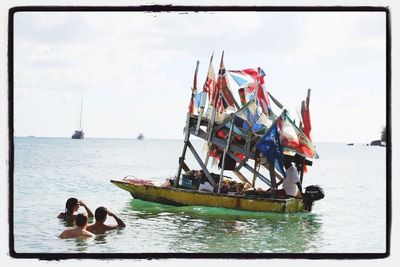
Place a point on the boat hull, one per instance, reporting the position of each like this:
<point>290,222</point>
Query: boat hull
<point>185,197</point>
<point>78,135</point>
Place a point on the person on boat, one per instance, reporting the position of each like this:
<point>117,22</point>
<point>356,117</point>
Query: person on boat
<point>71,207</point>
<point>291,186</point>
<point>80,230</point>
<point>101,215</point>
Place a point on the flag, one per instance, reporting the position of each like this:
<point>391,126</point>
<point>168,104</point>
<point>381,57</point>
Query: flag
<point>305,115</point>
<point>223,98</point>
<point>241,78</point>
<point>262,97</point>
<point>293,139</point>
<point>271,148</point>
<point>253,81</point>
<point>245,79</point>
<point>190,108</point>
<point>252,116</point>
<point>197,99</point>
<point>194,88</point>
<point>209,85</point>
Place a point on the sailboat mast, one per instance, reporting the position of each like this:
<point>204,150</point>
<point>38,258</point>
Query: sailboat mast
<point>80,117</point>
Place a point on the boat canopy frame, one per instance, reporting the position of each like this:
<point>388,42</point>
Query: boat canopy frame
<point>193,127</point>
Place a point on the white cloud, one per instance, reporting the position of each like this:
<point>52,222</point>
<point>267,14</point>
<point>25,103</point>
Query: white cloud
<point>329,34</point>
<point>132,68</point>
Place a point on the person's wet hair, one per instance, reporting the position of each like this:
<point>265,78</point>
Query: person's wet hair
<point>100,214</point>
<point>69,206</point>
<point>81,220</point>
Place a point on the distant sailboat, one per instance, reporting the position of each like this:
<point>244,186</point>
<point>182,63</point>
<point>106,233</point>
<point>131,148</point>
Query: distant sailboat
<point>140,136</point>
<point>79,133</point>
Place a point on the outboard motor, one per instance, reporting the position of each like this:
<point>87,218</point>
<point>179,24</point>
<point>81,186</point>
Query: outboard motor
<point>311,194</point>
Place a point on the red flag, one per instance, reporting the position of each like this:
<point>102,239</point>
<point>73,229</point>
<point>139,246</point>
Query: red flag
<point>226,100</point>
<point>292,138</point>
<point>253,81</point>
<point>210,82</point>
<point>194,88</point>
<point>305,115</point>
<point>261,94</point>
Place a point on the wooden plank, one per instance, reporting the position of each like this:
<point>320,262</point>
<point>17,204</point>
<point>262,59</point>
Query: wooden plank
<point>230,118</point>
<point>184,166</point>
<point>223,123</point>
<point>194,118</point>
<point>203,167</point>
<point>248,167</point>
<point>241,164</point>
<point>235,148</point>
<point>254,174</point>
<point>260,176</point>
<point>221,144</point>
<point>241,176</point>
<point>224,157</point>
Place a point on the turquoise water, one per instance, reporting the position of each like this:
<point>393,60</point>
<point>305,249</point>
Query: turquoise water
<point>47,171</point>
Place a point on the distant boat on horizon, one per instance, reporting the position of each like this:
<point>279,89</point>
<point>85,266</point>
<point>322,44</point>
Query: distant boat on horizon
<point>140,136</point>
<point>79,134</point>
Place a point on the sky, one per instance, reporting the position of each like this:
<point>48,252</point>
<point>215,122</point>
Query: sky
<point>134,70</point>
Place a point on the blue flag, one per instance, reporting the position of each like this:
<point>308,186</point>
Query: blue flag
<point>197,99</point>
<point>271,147</point>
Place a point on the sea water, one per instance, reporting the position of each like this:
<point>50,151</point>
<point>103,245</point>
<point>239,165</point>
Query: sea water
<point>47,171</point>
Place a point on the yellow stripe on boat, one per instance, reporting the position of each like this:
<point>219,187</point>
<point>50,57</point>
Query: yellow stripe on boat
<point>185,197</point>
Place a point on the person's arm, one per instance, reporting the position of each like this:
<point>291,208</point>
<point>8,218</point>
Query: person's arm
<point>61,235</point>
<point>61,215</point>
<point>118,220</point>
<point>89,212</point>
<point>88,234</point>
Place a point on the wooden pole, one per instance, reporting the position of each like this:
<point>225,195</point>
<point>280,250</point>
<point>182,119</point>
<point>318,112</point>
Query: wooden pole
<point>249,168</point>
<point>275,101</point>
<point>302,170</point>
<point>224,156</point>
<point>200,115</point>
<point>182,157</point>
<point>271,169</point>
<point>241,176</point>
<point>197,157</point>
<point>254,174</point>
<point>209,132</point>
<point>203,100</point>
<point>214,105</point>
<point>187,132</point>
